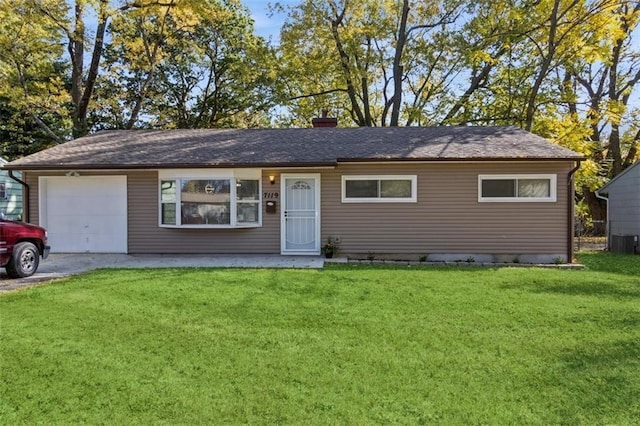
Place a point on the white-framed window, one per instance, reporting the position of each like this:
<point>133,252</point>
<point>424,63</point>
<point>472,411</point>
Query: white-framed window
<point>517,188</point>
<point>221,199</point>
<point>380,189</point>
<point>3,190</point>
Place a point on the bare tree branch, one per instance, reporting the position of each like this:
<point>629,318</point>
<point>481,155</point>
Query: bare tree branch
<point>311,95</point>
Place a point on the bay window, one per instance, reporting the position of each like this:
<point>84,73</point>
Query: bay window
<point>217,201</point>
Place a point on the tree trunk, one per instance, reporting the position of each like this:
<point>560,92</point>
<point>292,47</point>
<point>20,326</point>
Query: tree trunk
<point>76,53</point>
<point>344,62</point>
<point>82,127</point>
<point>365,103</point>
<point>398,69</point>
<point>633,150</point>
<point>152,55</point>
<point>475,84</point>
<point>613,152</point>
<point>544,67</point>
<point>597,207</point>
<point>567,84</point>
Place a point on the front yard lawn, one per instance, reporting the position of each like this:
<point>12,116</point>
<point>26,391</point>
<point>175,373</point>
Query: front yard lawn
<point>344,345</point>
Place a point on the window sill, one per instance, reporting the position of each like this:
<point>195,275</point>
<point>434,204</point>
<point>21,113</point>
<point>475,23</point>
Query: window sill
<point>517,200</point>
<point>242,226</point>
<point>379,200</point>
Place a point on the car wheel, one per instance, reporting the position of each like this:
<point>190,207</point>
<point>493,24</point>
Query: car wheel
<point>24,260</point>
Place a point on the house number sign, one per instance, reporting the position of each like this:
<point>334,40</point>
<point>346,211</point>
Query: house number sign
<point>271,195</point>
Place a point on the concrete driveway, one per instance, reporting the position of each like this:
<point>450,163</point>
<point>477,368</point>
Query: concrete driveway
<point>63,265</point>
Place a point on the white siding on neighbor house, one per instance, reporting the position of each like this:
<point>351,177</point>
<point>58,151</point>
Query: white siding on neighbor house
<point>11,204</point>
<point>624,203</point>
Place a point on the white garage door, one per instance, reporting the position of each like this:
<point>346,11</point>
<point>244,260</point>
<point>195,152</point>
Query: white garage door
<point>85,214</point>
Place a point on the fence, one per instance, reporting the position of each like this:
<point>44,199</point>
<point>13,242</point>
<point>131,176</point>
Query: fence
<point>590,235</point>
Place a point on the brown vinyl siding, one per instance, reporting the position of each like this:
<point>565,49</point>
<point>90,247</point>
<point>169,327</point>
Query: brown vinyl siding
<point>146,236</point>
<point>446,219</point>
<point>31,179</point>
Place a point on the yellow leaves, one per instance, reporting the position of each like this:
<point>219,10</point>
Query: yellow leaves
<point>590,54</point>
<point>566,130</point>
<point>615,111</point>
<point>188,14</point>
<point>590,175</point>
<point>570,132</point>
<point>482,57</point>
<point>516,14</point>
<point>31,73</point>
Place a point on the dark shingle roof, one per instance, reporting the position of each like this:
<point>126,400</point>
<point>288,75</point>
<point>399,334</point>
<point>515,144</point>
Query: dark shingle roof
<point>288,147</point>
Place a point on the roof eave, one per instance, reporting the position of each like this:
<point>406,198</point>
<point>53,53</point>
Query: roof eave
<point>60,167</point>
<point>458,159</point>
<point>262,165</point>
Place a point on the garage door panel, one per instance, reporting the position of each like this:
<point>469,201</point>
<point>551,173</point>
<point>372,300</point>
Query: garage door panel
<point>85,214</point>
<point>107,206</point>
<point>59,225</point>
<point>104,224</point>
<point>112,208</point>
<point>59,203</point>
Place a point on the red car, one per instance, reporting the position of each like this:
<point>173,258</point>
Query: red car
<point>21,246</point>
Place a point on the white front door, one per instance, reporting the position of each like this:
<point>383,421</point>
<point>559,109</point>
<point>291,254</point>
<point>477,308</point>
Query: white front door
<point>300,217</point>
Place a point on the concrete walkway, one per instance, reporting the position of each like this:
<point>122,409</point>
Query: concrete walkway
<point>63,265</point>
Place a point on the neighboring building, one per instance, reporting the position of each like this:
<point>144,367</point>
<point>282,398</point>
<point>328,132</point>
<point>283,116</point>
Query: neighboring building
<point>10,194</point>
<point>440,193</point>
<point>623,210</point>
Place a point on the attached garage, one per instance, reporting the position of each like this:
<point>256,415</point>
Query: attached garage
<point>85,214</point>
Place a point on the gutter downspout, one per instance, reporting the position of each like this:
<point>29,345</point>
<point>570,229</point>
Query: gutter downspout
<point>570,213</point>
<point>606,200</point>
<point>25,196</point>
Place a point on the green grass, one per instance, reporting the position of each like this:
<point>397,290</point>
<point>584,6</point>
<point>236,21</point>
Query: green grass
<point>344,345</point>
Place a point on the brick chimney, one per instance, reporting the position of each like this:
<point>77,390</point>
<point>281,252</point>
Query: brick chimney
<point>324,121</point>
